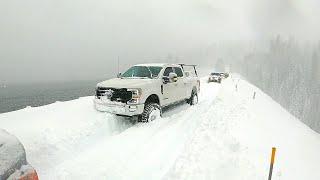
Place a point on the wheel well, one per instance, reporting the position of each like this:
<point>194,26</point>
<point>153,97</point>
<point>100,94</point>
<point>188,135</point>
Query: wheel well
<point>153,98</point>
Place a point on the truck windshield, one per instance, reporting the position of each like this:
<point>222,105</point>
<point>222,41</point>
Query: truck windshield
<point>142,72</point>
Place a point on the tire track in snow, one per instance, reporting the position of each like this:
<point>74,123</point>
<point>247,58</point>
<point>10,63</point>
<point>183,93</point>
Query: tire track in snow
<point>213,153</point>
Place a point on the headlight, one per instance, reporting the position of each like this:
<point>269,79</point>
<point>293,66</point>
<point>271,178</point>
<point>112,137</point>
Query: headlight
<point>136,94</point>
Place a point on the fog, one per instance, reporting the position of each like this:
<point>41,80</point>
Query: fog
<point>64,40</point>
<point>275,44</point>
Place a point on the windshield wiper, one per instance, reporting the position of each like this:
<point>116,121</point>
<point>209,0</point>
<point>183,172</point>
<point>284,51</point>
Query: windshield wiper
<point>145,77</point>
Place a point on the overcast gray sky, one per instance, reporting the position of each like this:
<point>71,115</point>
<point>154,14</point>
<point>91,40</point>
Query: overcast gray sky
<point>57,40</point>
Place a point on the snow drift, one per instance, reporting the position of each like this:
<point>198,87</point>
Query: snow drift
<point>228,135</point>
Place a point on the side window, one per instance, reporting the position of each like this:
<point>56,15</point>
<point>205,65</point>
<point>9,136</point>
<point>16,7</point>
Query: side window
<point>167,71</point>
<point>178,71</point>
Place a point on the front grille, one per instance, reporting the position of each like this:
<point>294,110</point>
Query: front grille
<point>118,95</point>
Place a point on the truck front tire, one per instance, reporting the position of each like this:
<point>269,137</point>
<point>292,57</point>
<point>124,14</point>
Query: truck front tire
<point>151,112</point>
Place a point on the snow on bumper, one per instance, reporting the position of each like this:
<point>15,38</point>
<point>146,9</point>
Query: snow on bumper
<point>118,108</point>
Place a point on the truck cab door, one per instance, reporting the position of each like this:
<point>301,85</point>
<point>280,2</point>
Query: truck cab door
<point>182,84</point>
<point>169,89</point>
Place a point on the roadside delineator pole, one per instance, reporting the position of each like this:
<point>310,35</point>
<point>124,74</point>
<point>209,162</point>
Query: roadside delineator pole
<point>273,154</point>
<point>254,95</point>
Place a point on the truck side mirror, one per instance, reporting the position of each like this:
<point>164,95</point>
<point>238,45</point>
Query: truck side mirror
<point>173,77</point>
<point>119,75</point>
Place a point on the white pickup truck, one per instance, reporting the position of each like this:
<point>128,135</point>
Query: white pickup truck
<point>144,89</point>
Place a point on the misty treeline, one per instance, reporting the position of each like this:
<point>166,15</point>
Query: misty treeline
<point>286,69</point>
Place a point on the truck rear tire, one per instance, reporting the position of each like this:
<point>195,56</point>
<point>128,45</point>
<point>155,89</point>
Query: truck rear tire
<point>151,112</point>
<point>193,99</point>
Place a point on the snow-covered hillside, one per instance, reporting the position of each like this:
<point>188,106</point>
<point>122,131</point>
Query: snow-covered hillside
<point>228,135</point>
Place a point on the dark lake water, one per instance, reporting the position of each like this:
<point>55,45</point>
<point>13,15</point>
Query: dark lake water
<point>15,97</point>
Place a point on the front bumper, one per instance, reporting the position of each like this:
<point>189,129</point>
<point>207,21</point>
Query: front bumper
<point>118,108</point>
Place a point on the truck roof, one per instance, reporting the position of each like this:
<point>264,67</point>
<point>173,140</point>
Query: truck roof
<point>158,64</point>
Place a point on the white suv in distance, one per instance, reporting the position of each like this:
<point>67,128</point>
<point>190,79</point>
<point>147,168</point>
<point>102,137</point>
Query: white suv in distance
<point>144,89</point>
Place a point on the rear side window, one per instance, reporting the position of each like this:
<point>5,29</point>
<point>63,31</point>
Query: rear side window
<point>167,71</point>
<point>191,71</point>
<point>178,71</point>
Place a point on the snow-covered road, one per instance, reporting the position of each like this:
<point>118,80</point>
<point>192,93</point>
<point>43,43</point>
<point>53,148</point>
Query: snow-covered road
<point>226,136</point>
<point>66,140</point>
<point>142,151</point>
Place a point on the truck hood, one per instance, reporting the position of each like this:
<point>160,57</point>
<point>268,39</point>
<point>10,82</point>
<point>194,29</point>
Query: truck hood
<point>126,83</point>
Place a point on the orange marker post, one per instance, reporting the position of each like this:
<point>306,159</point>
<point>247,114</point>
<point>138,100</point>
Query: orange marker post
<point>273,154</point>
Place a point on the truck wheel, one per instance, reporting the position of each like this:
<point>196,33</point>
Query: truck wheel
<point>151,112</point>
<point>193,99</point>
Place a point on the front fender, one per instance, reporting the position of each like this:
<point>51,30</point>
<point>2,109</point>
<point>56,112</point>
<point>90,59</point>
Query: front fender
<point>151,89</point>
